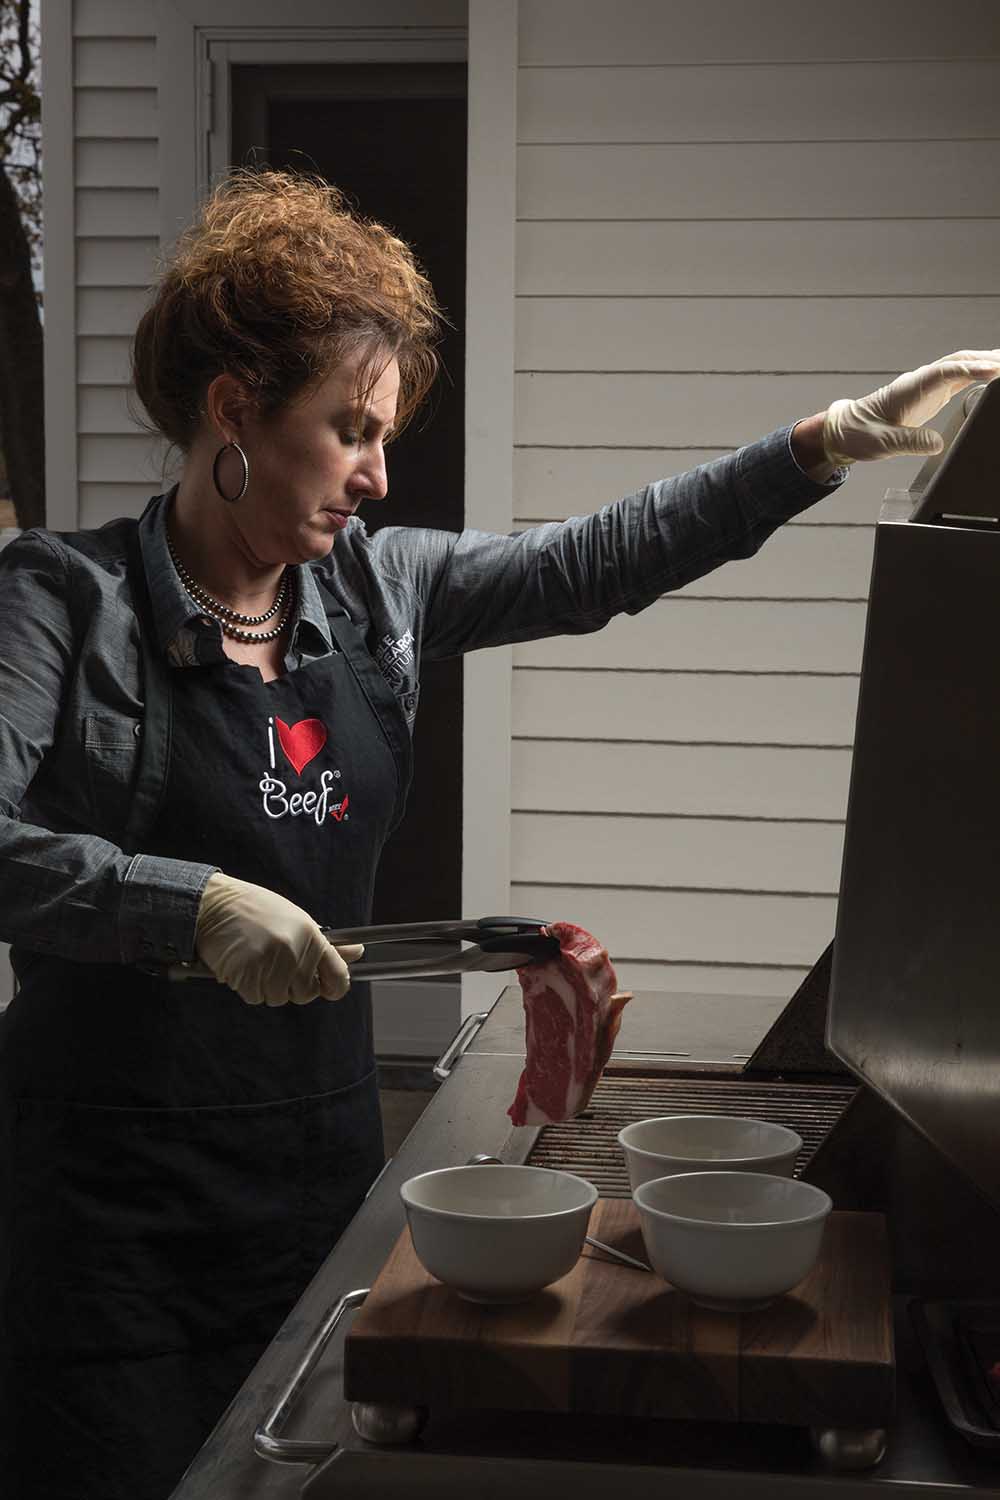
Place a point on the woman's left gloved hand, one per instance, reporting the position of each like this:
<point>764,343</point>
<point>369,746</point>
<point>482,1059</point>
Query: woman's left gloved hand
<point>888,423</point>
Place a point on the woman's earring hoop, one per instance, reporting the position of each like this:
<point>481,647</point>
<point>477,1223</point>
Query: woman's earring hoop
<point>231,499</point>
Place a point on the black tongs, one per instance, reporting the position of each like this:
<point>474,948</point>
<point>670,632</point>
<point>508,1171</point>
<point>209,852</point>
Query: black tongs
<point>497,943</point>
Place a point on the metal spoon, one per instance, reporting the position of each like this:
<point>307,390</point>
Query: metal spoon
<point>629,1260</point>
<point>482,1159</point>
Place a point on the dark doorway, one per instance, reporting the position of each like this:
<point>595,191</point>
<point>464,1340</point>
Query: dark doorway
<point>393,138</point>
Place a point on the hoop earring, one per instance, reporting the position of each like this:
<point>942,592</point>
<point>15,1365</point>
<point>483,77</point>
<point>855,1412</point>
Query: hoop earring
<point>230,499</point>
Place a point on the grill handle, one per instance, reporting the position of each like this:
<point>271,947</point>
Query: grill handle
<point>460,1043</point>
<point>266,1442</point>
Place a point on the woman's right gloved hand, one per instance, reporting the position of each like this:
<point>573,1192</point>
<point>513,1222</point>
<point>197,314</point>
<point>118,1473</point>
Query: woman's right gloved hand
<point>267,949</point>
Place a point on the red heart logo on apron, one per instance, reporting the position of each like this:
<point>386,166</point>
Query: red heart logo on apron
<point>301,742</point>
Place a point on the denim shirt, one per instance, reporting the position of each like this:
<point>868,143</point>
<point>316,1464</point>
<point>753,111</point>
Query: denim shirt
<point>71,708</point>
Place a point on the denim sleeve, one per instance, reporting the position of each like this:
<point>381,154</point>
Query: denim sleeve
<point>571,577</point>
<point>72,894</point>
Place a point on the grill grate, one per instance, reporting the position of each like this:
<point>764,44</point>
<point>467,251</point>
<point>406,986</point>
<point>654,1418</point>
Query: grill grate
<point>587,1144</point>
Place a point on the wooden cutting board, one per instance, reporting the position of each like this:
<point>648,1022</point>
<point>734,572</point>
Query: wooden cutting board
<point>613,1340</point>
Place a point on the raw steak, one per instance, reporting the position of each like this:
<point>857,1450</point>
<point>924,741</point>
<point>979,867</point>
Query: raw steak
<point>572,1016</point>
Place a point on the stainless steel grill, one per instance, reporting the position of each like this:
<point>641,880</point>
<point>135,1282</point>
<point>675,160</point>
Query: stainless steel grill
<point>587,1144</point>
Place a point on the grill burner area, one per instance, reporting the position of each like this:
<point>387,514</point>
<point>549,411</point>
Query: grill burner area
<point>587,1144</point>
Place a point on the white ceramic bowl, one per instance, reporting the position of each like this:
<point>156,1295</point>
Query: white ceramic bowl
<point>671,1144</point>
<point>732,1239</point>
<point>498,1233</point>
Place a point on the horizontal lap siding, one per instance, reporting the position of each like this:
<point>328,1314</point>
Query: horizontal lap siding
<point>691,853</point>
<point>812,258</point>
<point>635,33</point>
<point>117,228</point>
<point>125,264</point>
<point>124,460</point>
<point>773,180</point>
<point>832,101</point>
<point>643,408</point>
<point>122,213</point>
<point>102,360</point>
<point>721,230</point>
<point>738,334</point>
<point>115,61</point>
<point>707,635</point>
<point>759,708</point>
<point>797,561</point>
<point>735,781</point>
<point>105,410</point>
<point>116,164</point>
<point>678,926</point>
<point>553,481</point>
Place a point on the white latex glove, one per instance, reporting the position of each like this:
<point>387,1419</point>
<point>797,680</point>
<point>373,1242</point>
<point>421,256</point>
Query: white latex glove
<point>268,949</point>
<point>888,422</point>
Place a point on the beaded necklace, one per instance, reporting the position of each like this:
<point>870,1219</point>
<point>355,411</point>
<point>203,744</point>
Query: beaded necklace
<point>231,620</point>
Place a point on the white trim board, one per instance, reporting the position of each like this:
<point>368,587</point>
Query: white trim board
<point>354,45</point>
<point>489,455</point>
<point>414,1018</point>
<point>59,251</point>
<point>197,40</point>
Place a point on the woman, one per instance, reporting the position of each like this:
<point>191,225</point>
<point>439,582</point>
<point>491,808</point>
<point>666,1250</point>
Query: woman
<point>204,741</point>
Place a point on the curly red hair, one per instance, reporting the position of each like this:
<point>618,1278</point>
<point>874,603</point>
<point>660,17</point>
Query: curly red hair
<point>277,282</point>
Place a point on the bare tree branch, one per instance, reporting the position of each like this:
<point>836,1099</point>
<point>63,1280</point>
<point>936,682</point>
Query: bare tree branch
<point>22,36</point>
<point>21,369</point>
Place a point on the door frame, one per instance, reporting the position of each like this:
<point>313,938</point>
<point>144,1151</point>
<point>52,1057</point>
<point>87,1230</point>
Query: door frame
<point>197,42</point>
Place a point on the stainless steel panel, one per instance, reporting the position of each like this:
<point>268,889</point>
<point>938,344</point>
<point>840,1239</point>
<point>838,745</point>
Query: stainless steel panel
<point>915,991</point>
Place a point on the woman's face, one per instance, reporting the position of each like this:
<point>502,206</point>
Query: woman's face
<point>310,467</point>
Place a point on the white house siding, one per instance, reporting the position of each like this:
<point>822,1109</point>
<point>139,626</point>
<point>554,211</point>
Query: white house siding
<point>117,241</point>
<point>114,222</point>
<point>728,215</point>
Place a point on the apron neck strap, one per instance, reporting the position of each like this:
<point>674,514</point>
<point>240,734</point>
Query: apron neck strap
<point>154,741</point>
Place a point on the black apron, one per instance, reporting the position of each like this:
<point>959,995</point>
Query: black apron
<point>182,1161</point>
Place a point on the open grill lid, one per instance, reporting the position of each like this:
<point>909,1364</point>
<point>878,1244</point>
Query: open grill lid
<point>915,989</point>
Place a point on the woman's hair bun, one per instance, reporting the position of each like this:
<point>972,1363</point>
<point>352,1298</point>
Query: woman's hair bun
<point>276,282</point>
